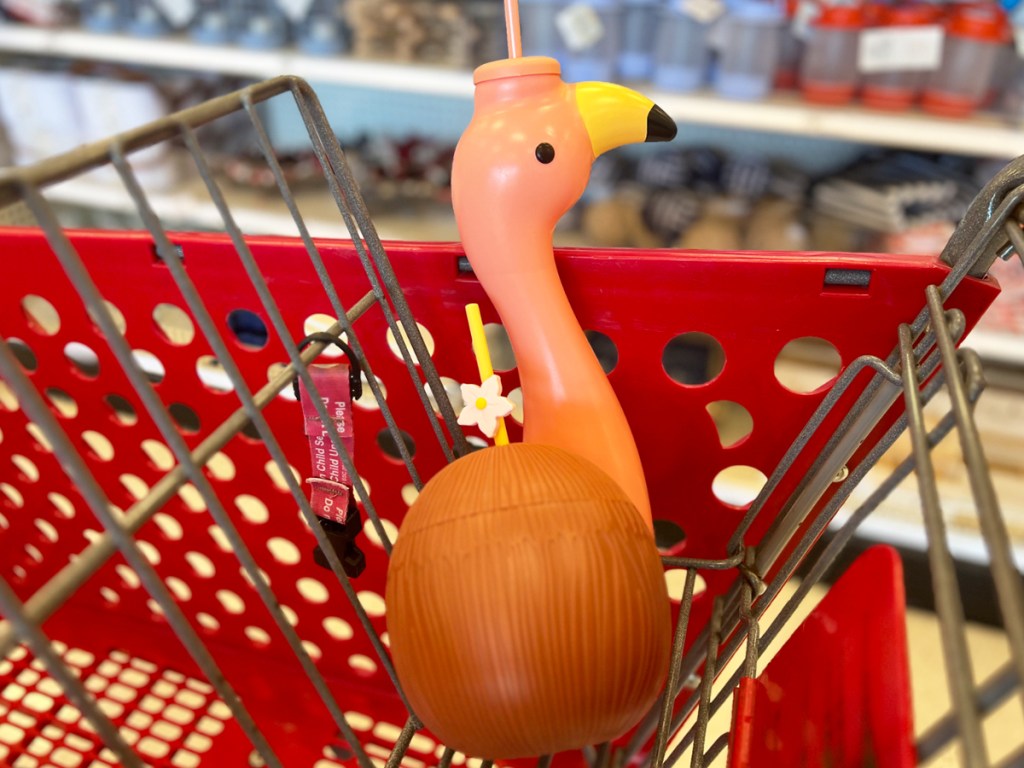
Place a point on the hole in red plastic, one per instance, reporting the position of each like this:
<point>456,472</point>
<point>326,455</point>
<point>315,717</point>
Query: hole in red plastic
<point>252,509</point>
<point>428,342</point>
<point>312,590</point>
<point>372,603</point>
<point>37,434</point>
<point>605,349</point>
<point>313,650</point>
<point>668,536</point>
<point>250,433</point>
<point>99,446</point>
<point>42,316</point>
<point>129,577</point>
<point>62,504</point>
<point>12,496</point>
<point>169,527</point>
<point>23,354</point>
<point>503,358</point>
<point>248,328</point>
<point>389,528</point>
<point>211,374</point>
<point>207,622</point>
<point>200,564</point>
<point>179,588</point>
<point>284,551</point>
<point>274,473</point>
<point>337,628</point>
<point>368,400</point>
<point>675,582</point>
<point>47,529</point>
<point>174,324</point>
<point>273,372</point>
<point>134,484</point>
<point>738,485</point>
<point>231,602</point>
<point>390,446</point>
<point>7,398</point>
<point>115,314</point>
<point>27,468</point>
<point>63,403</point>
<point>516,396</point>
<point>150,365</point>
<point>807,364</point>
<point>732,420</point>
<point>257,636</point>
<point>83,359</point>
<point>122,411</point>
<point>693,359</point>
<point>191,497</point>
<point>363,666</point>
<point>160,455</point>
<point>452,390</point>
<point>409,494</point>
<point>185,417</point>
<point>221,467</point>
<point>319,323</point>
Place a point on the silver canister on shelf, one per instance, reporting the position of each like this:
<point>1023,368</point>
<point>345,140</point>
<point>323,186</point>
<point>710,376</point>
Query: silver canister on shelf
<point>682,50</point>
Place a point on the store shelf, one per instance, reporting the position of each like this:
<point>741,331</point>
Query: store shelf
<point>1004,348</point>
<point>181,54</point>
<point>981,136</point>
<point>189,206</point>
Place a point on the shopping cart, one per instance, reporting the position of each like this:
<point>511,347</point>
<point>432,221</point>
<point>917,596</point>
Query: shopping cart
<point>161,601</point>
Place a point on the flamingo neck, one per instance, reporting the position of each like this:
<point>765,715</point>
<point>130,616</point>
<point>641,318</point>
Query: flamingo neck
<point>568,401</point>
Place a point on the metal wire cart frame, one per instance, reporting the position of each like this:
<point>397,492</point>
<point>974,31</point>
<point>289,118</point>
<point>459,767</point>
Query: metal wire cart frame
<point>92,607</point>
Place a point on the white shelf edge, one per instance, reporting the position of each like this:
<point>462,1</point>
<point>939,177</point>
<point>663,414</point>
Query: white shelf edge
<point>1007,348</point>
<point>191,207</point>
<point>180,53</point>
<point>981,136</point>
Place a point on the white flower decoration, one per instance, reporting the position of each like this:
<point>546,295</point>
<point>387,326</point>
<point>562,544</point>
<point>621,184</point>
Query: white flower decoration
<point>484,405</point>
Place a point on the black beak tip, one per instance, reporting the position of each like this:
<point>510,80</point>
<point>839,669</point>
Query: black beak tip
<point>660,127</point>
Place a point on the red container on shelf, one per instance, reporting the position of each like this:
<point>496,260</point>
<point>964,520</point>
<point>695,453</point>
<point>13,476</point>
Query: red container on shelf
<point>899,89</point>
<point>974,34</point>
<point>828,73</point>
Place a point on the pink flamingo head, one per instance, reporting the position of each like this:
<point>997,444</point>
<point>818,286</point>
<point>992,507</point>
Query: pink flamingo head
<point>525,158</point>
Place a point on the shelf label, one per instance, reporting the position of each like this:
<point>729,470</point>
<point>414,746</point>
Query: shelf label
<point>704,11</point>
<point>177,12</point>
<point>295,10</point>
<point>898,49</point>
<point>580,26</point>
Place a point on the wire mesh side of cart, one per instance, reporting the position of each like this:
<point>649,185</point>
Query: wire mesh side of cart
<point>845,444</point>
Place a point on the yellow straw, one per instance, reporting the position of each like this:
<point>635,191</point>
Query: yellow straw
<point>483,360</point>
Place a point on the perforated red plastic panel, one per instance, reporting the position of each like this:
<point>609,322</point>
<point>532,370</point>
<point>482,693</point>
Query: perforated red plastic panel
<point>751,304</point>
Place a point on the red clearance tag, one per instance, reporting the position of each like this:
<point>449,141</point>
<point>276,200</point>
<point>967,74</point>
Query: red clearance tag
<point>331,484</point>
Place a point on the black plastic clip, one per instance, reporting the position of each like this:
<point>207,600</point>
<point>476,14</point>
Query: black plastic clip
<point>341,537</point>
<point>355,371</point>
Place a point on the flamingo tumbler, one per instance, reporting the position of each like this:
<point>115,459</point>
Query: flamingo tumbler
<point>527,611</point>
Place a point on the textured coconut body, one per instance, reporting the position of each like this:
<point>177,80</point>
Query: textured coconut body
<point>527,608</point>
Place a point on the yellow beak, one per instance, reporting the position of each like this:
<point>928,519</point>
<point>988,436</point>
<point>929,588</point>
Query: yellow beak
<point>615,115</point>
